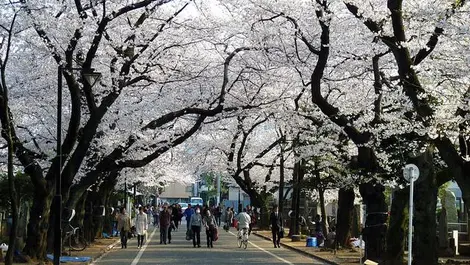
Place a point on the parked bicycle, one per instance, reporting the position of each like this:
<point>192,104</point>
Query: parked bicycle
<point>74,237</point>
<point>242,237</point>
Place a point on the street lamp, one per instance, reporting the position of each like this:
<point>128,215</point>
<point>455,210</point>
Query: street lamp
<point>411,174</point>
<point>91,77</point>
<point>239,202</point>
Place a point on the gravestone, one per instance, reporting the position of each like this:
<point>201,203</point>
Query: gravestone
<point>449,205</point>
<point>443,238</point>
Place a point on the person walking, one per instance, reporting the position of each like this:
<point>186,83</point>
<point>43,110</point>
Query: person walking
<point>229,218</point>
<point>141,226</point>
<point>149,213</point>
<point>188,213</point>
<point>124,226</point>
<point>165,220</point>
<point>196,224</point>
<point>275,221</point>
<point>174,217</point>
<point>251,213</point>
<point>210,225</point>
<point>172,226</point>
<point>218,214</point>
<point>155,216</point>
<point>180,213</point>
<point>318,230</point>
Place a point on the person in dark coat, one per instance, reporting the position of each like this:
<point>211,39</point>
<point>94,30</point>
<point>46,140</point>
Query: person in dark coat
<point>174,217</point>
<point>275,221</point>
<point>165,221</point>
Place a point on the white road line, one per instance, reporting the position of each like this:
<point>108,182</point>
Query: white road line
<point>147,241</point>
<point>108,250</point>
<point>266,251</point>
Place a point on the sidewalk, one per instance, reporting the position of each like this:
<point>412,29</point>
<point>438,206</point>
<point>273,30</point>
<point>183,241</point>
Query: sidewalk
<point>342,257</point>
<point>95,250</point>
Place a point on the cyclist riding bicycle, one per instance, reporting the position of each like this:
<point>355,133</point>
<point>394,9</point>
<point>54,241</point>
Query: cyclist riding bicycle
<point>244,221</point>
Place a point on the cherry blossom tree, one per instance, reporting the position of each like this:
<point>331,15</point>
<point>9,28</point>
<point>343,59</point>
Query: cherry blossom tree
<point>6,35</point>
<point>139,67</point>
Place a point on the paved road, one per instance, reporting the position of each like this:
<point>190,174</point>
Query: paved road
<point>181,252</point>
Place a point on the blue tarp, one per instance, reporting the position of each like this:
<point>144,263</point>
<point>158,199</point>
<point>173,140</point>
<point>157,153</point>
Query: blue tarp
<point>65,259</point>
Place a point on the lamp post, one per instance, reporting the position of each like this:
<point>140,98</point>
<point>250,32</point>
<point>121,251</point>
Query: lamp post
<point>239,202</point>
<point>411,174</point>
<point>91,77</point>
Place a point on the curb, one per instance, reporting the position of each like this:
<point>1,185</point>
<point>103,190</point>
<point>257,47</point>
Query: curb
<point>299,251</point>
<point>104,253</point>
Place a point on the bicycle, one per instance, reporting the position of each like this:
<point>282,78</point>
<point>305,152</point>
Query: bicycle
<point>74,238</point>
<point>242,237</point>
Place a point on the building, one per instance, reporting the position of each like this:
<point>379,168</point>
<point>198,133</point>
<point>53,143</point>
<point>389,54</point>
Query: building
<point>236,195</point>
<point>176,192</point>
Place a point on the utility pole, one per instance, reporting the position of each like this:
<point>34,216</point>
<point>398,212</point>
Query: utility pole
<point>135,202</point>
<point>218,190</point>
<point>281,176</point>
<point>125,192</point>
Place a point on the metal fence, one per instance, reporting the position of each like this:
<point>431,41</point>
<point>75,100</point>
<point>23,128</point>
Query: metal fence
<point>461,227</point>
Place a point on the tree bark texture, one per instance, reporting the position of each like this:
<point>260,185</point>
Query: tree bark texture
<point>324,220</point>
<point>36,241</point>
<point>14,201</point>
<point>425,247</point>
<point>396,233</point>
<point>345,216</point>
<point>376,220</point>
<point>260,201</point>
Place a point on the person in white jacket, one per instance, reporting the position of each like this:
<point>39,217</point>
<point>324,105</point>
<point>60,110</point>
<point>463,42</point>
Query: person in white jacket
<point>141,226</point>
<point>243,219</point>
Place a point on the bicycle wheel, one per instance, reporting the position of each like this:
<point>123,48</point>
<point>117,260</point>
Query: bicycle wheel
<point>245,243</point>
<point>66,245</point>
<point>239,240</point>
<point>78,243</point>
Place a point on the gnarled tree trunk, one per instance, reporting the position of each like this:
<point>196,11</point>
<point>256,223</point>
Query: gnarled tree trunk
<point>376,220</point>
<point>425,199</point>
<point>36,241</point>
<point>345,216</point>
<point>397,228</point>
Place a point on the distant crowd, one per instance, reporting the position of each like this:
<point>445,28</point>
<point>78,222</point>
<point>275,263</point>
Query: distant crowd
<point>168,218</point>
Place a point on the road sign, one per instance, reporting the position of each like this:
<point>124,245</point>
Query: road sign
<point>411,170</point>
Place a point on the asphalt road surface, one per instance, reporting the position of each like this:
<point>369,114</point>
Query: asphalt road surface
<point>180,251</point>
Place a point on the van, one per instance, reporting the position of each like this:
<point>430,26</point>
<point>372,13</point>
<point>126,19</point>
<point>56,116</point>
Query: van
<point>196,200</point>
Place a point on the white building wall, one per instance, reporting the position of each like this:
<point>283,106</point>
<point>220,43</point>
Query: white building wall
<point>176,190</point>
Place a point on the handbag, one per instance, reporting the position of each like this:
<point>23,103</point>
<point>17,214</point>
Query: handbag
<point>281,232</point>
<point>215,233</point>
<point>189,234</point>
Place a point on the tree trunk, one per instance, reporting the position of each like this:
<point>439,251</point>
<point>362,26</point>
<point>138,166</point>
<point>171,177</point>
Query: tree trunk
<point>14,201</point>
<point>425,199</point>
<point>99,201</point>
<point>396,233</point>
<point>345,216</point>
<point>297,180</point>
<point>85,216</point>
<point>376,220</point>
<point>36,242</point>
<point>321,192</point>
<point>260,201</point>
<point>7,133</point>
<point>356,228</point>
<point>295,194</point>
